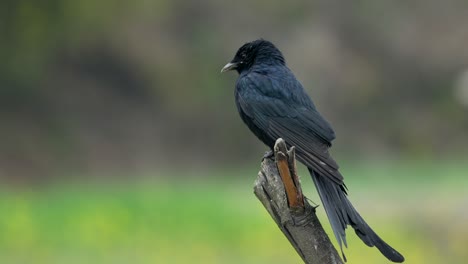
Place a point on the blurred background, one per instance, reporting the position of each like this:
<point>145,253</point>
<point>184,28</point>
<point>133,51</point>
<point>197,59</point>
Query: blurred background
<point>120,141</point>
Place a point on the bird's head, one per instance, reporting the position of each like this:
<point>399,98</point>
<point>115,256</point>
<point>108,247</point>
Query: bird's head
<point>257,51</point>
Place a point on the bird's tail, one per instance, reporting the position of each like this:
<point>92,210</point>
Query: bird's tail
<point>341,213</point>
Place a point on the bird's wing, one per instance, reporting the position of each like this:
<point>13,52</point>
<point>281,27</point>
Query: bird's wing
<point>280,115</point>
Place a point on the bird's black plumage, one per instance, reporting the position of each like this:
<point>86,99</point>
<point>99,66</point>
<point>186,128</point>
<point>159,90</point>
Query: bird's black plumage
<point>273,104</point>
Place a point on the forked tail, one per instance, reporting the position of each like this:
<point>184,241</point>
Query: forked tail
<point>341,213</point>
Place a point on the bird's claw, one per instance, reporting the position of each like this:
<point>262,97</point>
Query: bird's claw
<point>314,206</point>
<point>268,155</point>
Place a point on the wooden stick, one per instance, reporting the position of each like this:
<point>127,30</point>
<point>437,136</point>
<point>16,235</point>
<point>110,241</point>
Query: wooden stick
<point>279,189</point>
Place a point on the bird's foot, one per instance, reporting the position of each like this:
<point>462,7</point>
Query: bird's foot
<point>314,205</point>
<point>268,155</point>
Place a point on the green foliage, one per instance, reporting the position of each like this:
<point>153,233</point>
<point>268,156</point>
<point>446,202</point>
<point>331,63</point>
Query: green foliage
<point>205,220</point>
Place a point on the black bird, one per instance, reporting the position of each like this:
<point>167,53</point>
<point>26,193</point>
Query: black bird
<point>273,104</point>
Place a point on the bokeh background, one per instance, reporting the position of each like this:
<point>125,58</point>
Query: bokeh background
<point>120,141</point>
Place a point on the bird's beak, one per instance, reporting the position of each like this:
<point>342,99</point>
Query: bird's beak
<point>228,67</point>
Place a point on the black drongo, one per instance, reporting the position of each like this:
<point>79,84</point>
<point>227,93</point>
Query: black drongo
<point>273,104</point>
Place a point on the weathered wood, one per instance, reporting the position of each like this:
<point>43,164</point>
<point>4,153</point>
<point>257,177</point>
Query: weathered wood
<point>278,188</point>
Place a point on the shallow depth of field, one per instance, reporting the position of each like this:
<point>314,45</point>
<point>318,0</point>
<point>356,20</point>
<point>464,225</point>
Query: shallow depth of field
<point>419,209</point>
<point>120,141</point>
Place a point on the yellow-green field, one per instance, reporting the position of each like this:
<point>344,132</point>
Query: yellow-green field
<point>421,210</point>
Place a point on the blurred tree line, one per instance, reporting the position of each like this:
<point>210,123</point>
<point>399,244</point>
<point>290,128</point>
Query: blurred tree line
<point>111,86</point>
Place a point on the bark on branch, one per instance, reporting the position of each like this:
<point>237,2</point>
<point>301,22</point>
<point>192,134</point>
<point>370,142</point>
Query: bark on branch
<point>279,189</point>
